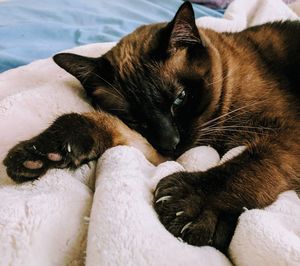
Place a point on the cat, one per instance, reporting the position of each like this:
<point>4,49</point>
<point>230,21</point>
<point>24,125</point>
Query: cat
<point>180,86</point>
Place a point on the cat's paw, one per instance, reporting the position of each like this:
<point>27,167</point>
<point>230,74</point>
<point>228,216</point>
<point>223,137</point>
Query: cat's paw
<point>61,145</point>
<point>183,208</point>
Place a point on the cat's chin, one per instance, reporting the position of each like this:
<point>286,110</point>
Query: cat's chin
<point>171,154</point>
<point>167,153</point>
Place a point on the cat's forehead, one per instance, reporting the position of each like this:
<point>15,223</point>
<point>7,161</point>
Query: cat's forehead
<point>133,50</point>
<point>138,70</point>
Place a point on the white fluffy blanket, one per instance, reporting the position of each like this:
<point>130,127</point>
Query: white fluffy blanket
<point>66,218</point>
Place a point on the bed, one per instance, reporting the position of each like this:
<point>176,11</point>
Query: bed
<point>101,214</point>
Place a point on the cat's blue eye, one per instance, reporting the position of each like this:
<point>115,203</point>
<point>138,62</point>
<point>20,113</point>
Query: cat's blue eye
<point>179,101</point>
<point>180,98</point>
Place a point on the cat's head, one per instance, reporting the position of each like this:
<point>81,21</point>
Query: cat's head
<point>155,79</point>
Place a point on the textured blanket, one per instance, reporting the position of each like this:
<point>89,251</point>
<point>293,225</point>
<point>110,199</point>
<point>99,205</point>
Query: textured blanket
<point>101,214</point>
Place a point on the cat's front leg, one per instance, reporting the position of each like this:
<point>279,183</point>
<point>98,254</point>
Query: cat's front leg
<point>202,207</point>
<point>72,140</point>
<point>69,142</point>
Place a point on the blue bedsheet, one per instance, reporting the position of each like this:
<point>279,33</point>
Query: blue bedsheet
<point>35,29</point>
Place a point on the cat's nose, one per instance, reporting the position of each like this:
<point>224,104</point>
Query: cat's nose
<point>170,142</point>
<point>174,142</point>
<point>167,135</point>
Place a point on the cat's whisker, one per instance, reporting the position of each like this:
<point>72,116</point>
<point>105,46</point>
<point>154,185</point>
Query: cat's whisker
<point>242,124</point>
<point>223,115</point>
<point>207,137</point>
<point>226,119</point>
<point>108,83</point>
<point>262,127</point>
<point>231,112</point>
<point>238,130</point>
<point>204,139</point>
<point>214,132</point>
<point>207,141</point>
<point>107,92</point>
<point>215,135</point>
<point>238,127</point>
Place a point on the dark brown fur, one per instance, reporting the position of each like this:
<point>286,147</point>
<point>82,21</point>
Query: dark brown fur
<point>242,89</point>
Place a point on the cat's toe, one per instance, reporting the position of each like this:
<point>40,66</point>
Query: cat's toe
<point>177,203</point>
<point>23,163</point>
<point>21,175</point>
<point>33,164</point>
<point>54,156</point>
<point>201,230</point>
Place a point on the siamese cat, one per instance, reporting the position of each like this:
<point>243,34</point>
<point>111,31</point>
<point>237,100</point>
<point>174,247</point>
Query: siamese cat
<point>180,86</point>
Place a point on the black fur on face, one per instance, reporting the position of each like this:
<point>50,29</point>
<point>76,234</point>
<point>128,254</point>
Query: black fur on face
<point>150,81</point>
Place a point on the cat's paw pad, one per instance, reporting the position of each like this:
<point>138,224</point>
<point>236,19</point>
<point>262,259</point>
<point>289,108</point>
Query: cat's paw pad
<point>24,162</point>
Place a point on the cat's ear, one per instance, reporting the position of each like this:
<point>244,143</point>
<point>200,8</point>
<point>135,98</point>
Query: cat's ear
<point>184,32</point>
<point>95,74</point>
<point>80,67</point>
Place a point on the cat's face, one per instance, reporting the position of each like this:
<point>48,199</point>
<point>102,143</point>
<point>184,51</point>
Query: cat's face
<point>153,79</point>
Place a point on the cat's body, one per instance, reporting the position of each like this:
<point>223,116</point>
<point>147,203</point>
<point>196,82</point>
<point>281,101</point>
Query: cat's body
<point>181,87</point>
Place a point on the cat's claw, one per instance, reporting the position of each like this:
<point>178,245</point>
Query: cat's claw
<point>179,213</point>
<point>69,148</point>
<point>90,165</point>
<point>156,192</point>
<point>164,198</point>
<point>180,239</point>
<point>185,227</point>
